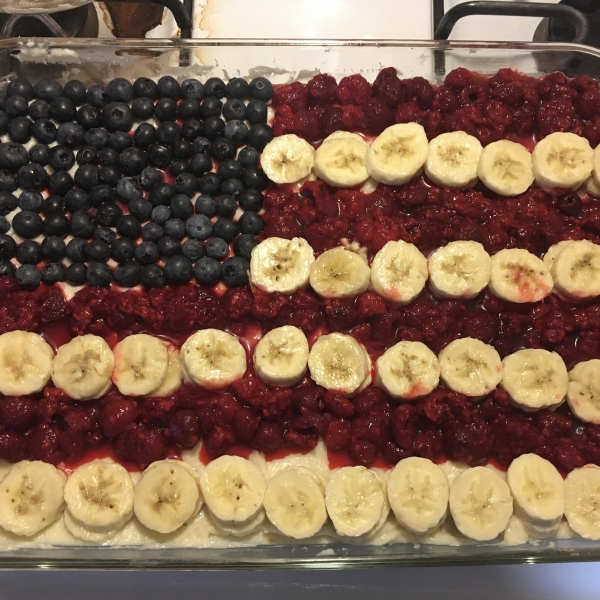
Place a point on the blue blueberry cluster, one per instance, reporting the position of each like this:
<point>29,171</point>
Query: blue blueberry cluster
<point>166,191</point>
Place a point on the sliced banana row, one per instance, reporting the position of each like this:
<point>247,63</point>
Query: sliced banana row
<point>454,160</point>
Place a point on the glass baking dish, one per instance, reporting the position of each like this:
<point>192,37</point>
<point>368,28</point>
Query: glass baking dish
<point>283,61</point>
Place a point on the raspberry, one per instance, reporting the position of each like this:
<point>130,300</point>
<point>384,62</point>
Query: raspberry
<point>354,89</point>
<point>140,445</point>
<point>268,437</point>
<point>13,446</point>
<point>340,313</point>
<point>459,78</point>
<point>117,415</point>
<point>421,90</point>
<point>408,112</point>
<point>388,88</point>
<point>337,436</point>
<point>245,425</point>
<point>43,444</point>
<point>377,116</point>
<point>18,413</point>
<point>338,405</point>
<point>295,94</point>
<point>185,429</point>
<point>353,117</point>
<point>331,120</point>
<point>364,452</point>
<point>321,89</point>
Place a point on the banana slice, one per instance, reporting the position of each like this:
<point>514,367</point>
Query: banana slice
<point>280,265</point>
<point>340,273</point>
<point>519,276</point>
<point>583,393</point>
<point>397,154</point>
<point>506,168</point>
<point>459,270</point>
<point>281,356</point>
<point>595,183</point>
<point>83,366</point>
<point>591,187</point>
<point>99,496</point>
<point>480,504</point>
<point>166,496</point>
<point>408,370</point>
<point>470,367</point>
<point>174,376</point>
<point>582,508</point>
<point>553,252</point>
<point>213,358</point>
<point>233,489</point>
<point>562,160</point>
<point>341,134</point>
<point>538,491</point>
<point>399,272</point>
<point>418,494</point>
<point>576,270</point>
<point>255,524</point>
<point>25,363</point>
<point>32,497</point>
<point>287,159</point>
<point>452,160</point>
<point>295,503</point>
<point>340,162</point>
<point>81,533</point>
<point>535,379</point>
<point>338,362</point>
<point>355,499</point>
<point>141,364</point>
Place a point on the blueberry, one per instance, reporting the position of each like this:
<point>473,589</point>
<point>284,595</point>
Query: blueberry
<point>29,253</point>
<point>16,106</point>
<point>141,209</point>
<point>133,161</point>
<point>193,249</point>
<point>76,274</point>
<point>128,189</point>
<point>28,276</point>
<point>216,248</point>
<point>178,167</point>
<point>100,194</point>
<point>111,174</point>
<point>119,141</point>
<point>200,164</point>
<point>32,176</point>
<point>225,206</point>
<point>103,234</point>
<point>161,193</point>
<point>234,271</point>
<point>181,207</point>
<point>232,187</point>
<point>60,182</point>
<point>96,138</point>
<point>70,134</point>
<point>75,91</point>
<point>142,108</point>
<point>6,269</point>
<point>52,273</point>
<point>226,228</point>
<point>182,149</point>
<point>209,183</point>
<point>27,224</point>
<point>30,200</point>
<point>108,156</point>
<point>168,133</point>
<point>202,144</point>
<point>159,156</point>
<point>569,205</point>
<point>144,135</point>
<point>149,177</point>
<point>229,168</point>
<point>236,88</point>
<point>8,203</point>
<point>13,156</point>
<point>199,227</point>
<point>191,129</point>
<point>214,87</point>
<point>175,228</point>
<point>61,158</point>
<point>261,89</point>
<point>259,136</point>
<point>122,250</point>
<point>152,232</point>
<point>4,225</point>
<point>205,205</point>
<point>89,117</point>
<point>108,214</point>
<point>8,246</point>
<point>166,109</point>
<point>76,250</point>
<point>55,224</point>
<point>222,149</point>
<point>160,214</point>
<point>210,107</point>
<point>39,109</point>
<point>168,246</point>
<point>188,109</point>
<point>251,222</point>
<point>20,129</point>
<point>86,156</point>
<point>98,251</point>
<point>53,205</point>
<point>186,183</point>
<point>7,181</point>
<point>128,274</point>
<point>244,244</point>
<point>207,271</point>
<point>145,88</point>
<point>192,88</point>
<point>168,87</point>
<point>256,112</point>
<point>62,110</point>
<point>234,109</point>
<point>20,87</point>
<point>254,178</point>
<point>213,128</point>
<point>119,90</point>
<point>129,226</point>
<point>178,269</point>
<point>87,176</point>
<point>248,156</point>
<point>82,224</point>
<point>117,116</point>
<point>48,89</point>
<point>146,253</point>
<point>99,274</point>
<point>153,276</point>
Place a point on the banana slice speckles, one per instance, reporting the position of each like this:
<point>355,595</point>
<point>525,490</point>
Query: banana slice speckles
<point>340,162</point>
<point>506,168</point>
<point>287,159</point>
<point>340,273</point>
